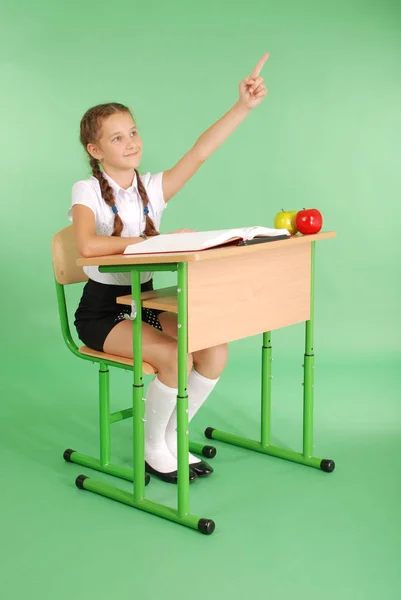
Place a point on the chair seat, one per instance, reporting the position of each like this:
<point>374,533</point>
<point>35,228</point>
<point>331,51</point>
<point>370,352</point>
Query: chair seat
<point>147,368</point>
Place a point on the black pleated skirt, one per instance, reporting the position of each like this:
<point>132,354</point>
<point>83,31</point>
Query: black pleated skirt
<point>98,311</point>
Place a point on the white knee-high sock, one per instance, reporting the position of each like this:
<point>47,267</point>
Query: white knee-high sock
<point>199,388</point>
<point>160,403</point>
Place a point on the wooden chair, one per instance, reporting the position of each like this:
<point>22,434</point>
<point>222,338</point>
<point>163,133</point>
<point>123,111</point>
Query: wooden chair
<point>66,271</point>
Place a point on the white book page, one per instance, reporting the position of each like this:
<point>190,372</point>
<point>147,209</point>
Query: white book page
<point>252,232</point>
<point>194,241</point>
<point>184,242</point>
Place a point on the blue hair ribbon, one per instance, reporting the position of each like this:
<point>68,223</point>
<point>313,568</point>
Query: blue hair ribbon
<point>114,209</point>
<point>145,211</point>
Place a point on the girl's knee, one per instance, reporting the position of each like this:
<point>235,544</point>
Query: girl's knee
<point>222,355</point>
<point>212,359</point>
<point>168,364</point>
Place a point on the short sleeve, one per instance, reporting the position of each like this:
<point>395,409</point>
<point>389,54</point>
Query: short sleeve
<point>154,189</point>
<point>82,193</point>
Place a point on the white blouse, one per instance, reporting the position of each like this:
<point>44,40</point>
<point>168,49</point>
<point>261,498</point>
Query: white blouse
<point>130,209</point>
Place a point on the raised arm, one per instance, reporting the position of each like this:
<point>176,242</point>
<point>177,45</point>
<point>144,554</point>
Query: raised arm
<point>251,93</point>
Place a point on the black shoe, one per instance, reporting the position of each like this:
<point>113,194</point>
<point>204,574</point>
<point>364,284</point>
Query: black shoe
<point>201,468</point>
<point>169,477</point>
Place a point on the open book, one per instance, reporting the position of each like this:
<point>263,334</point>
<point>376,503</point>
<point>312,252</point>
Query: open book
<point>202,240</point>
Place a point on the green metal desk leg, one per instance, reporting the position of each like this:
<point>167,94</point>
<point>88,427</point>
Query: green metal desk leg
<point>308,383</point>
<point>309,366</point>
<point>137,498</point>
<point>138,393</point>
<point>206,526</point>
<point>266,390</point>
<point>182,397</point>
<point>264,446</point>
<point>206,451</point>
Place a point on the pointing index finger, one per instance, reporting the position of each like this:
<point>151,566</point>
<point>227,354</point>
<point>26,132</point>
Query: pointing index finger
<point>259,66</point>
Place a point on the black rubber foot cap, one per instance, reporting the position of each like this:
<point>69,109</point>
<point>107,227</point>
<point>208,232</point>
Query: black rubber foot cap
<point>208,432</point>
<point>209,451</point>
<point>79,482</point>
<point>327,465</point>
<point>67,454</point>
<point>147,478</point>
<point>206,526</point>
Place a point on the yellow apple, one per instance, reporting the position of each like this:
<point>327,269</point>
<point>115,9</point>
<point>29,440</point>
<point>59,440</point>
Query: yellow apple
<point>286,220</point>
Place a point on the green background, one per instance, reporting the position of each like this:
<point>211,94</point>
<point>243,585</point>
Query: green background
<point>327,135</point>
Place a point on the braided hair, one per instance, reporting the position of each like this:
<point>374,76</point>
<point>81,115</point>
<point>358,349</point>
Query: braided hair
<point>90,126</point>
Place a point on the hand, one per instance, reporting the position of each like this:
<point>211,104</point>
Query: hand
<point>183,231</point>
<point>252,89</point>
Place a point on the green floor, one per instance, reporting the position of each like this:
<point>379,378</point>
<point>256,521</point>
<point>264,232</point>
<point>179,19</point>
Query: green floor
<point>282,530</point>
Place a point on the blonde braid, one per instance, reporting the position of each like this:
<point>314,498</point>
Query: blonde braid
<point>107,194</point>
<point>150,228</point>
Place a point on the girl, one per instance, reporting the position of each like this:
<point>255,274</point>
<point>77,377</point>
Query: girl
<point>116,207</point>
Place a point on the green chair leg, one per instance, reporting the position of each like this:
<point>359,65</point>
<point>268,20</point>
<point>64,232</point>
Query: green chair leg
<point>103,463</point>
<point>94,463</point>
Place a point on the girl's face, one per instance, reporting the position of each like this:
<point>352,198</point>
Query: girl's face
<point>119,146</point>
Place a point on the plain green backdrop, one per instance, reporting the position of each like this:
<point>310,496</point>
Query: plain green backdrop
<point>327,135</point>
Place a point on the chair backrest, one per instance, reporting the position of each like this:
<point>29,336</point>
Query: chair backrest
<point>64,255</point>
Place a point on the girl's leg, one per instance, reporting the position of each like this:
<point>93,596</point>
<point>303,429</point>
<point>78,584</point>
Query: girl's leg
<point>208,364</point>
<point>160,350</point>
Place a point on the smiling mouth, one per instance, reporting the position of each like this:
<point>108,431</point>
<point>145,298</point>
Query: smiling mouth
<point>133,154</point>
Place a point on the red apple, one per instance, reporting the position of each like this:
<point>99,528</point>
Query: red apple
<point>309,220</point>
